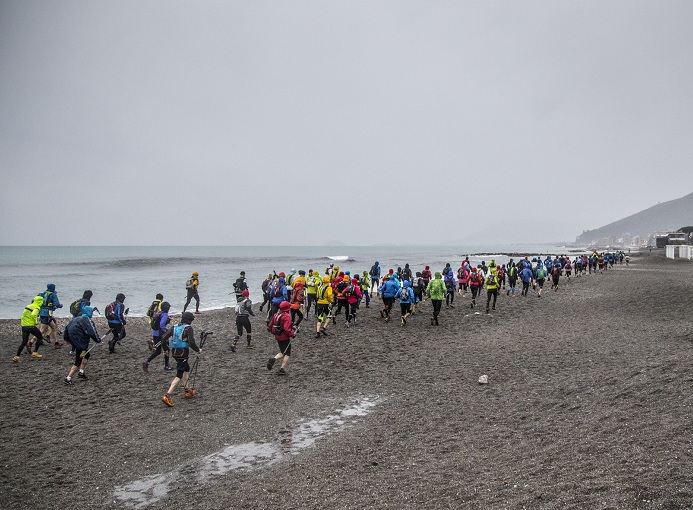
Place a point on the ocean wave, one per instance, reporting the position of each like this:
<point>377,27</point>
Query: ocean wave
<point>339,258</point>
<point>146,262</point>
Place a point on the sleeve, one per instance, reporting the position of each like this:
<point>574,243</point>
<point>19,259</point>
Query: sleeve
<point>190,336</point>
<point>91,332</point>
<point>56,301</point>
<point>249,307</point>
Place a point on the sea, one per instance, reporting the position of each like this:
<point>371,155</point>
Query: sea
<point>140,272</point>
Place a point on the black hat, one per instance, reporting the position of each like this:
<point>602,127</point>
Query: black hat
<point>187,318</point>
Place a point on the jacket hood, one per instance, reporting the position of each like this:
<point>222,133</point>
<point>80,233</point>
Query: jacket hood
<point>406,283</point>
<point>438,275</point>
<point>87,311</point>
<point>38,300</point>
<point>284,306</point>
<point>51,287</point>
<point>281,280</point>
<point>427,268</point>
<point>325,279</point>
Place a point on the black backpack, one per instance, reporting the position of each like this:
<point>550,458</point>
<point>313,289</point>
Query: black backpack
<point>156,321</point>
<point>278,291</point>
<point>374,270</point>
<point>153,308</point>
<point>76,308</point>
<point>110,311</point>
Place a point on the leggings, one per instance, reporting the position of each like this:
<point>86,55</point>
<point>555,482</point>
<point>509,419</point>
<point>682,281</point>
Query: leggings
<point>310,299</point>
<point>475,291</point>
<point>449,297</point>
<point>242,321</point>
<point>295,312</point>
<point>437,303</point>
<point>26,331</point>
<point>489,293</point>
<point>525,288</point>
<point>191,295</point>
<point>387,301</point>
<point>161,347</point>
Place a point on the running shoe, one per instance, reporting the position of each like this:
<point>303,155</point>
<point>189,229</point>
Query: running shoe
<point>270,363</point>
<point>281,371</point>
<point>189,393</point>
<point>167,400</point>
<point>36,355</point>
<point>57,345</point>
<point>168,368</point>
<point>145,366</point>
<point>16,359</point>
<point>67,381</point>
<point>81,375</point>
<point>197,312</point>
<point>250,346</point>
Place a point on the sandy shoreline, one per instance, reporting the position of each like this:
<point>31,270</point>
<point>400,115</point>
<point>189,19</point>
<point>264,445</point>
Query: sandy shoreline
<point>588,406</point>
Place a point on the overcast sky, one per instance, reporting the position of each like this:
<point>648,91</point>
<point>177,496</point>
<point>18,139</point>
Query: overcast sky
<point>300,122</point>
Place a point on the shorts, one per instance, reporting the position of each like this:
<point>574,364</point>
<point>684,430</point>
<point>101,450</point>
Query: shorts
<point>46,319</point>
<point>540,283</point>
<point>323,312</point>
<point>284,347</point>
<point>182,366</point>
<point>78,356</point>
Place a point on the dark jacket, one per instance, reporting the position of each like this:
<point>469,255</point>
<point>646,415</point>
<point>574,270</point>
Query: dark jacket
<point>79,331</point>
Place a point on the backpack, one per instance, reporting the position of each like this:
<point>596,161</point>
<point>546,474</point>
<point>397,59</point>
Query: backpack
<point>341,287</point>
<point>475,278</point>
<point>417,284</point>
<point>111,314</point>
<point>297,296</point>
<point>448,282</point>
<point>76,308</point>
<point>189,284</point>
<point>541,274</point>
<point>491,280</point>
<point>153,308</point>
<point>275,326</point>
<point>374,270</point>
<point>404,295</point>
<point>425,274</point>
<point>265,285</point>
<point>278,291</point>
<point>239,307</point>
<point>460,273</point>
<point>156,321</point>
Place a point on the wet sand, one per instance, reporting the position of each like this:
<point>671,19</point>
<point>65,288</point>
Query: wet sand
<point>589,405</point>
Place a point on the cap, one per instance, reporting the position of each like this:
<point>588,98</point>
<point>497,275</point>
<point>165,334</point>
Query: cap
<point>245,293</point>
<point>284,306</point>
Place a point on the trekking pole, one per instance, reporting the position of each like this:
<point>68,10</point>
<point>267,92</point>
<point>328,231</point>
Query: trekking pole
<point>84,353</point>
<point>203,337</point>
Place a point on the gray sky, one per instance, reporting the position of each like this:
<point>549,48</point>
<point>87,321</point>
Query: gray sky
<point>299,122</point>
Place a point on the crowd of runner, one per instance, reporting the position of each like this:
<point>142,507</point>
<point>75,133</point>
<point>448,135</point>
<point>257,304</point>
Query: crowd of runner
<point>329,297</point>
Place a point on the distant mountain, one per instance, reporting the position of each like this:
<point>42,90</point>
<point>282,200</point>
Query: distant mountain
<point>667,216</point>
